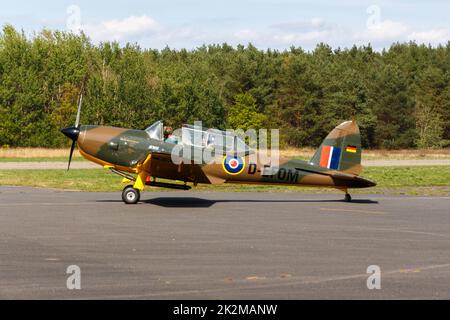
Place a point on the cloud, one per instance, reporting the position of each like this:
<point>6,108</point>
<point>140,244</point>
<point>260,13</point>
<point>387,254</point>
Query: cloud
<point>126,29</point>
<point>248,35</point>
<point>433,36</point>
<point>309,36</point>
<point>305,33</point>
<point>279,39</point>
<point>382,31</point>
<point>300,25</point>
<point>144,30</point>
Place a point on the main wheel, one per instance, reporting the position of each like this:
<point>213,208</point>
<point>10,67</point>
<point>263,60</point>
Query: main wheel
<point>348,197</point>
<point>130,195</point>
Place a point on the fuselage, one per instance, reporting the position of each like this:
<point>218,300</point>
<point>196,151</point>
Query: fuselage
<point>125,149</point>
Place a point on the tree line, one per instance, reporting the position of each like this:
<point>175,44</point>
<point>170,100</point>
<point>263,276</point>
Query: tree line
<point>400,96</point>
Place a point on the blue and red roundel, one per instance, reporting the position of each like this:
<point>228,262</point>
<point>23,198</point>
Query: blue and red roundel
<point>233,165</point>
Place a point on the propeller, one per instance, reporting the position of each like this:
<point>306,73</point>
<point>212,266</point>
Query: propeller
<point>73,132</point>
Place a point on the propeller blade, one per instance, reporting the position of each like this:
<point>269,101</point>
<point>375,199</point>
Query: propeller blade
<point>77,121</point>
<point>71,153</point>
<point>71,133</point>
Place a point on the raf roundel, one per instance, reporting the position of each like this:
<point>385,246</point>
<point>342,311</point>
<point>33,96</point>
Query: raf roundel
<point>233,165</point>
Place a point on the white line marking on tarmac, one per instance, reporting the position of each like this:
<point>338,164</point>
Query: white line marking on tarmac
<point>353,211</point>
<point>408,198</point>
<point>406,231</point>
<point>53,204</point>
<point>286,282</point>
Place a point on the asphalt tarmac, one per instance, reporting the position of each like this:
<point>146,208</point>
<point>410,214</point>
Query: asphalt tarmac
<point>208,245</point>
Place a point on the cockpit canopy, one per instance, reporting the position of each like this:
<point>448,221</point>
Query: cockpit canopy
<point>196,136</point>
<point>156,130</point>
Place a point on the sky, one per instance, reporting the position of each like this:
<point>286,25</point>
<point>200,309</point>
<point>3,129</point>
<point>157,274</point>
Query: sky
<point>264,23</point>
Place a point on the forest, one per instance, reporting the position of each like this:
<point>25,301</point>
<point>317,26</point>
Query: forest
<point>400,96</point>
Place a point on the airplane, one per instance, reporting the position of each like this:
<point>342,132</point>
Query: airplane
<point>143,156</point>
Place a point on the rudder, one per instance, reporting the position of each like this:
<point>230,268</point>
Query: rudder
<point>341,149</point>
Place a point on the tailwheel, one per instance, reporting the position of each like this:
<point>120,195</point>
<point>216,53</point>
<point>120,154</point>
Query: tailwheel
<point>348,197</point>
<point>130,195</point>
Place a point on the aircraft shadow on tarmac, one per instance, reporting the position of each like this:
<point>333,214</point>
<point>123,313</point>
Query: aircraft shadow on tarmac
<point>193,202</point>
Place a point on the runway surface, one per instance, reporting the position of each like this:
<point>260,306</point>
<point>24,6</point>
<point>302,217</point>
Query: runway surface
<point>192,245</point>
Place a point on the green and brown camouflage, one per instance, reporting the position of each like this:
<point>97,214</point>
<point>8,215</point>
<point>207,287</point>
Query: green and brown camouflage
<point>336,164</point>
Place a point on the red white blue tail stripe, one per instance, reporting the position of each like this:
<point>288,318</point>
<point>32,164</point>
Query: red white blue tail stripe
<point>329,157</point>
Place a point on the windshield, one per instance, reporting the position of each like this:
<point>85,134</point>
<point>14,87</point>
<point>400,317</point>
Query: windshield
<point>155,131</point>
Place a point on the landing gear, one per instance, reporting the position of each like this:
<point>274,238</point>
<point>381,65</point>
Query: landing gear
<point>130,195</point>
<point>348,197</point>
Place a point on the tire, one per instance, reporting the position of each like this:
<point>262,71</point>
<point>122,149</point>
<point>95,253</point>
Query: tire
<point>131,195</point>
<point>348,198</point>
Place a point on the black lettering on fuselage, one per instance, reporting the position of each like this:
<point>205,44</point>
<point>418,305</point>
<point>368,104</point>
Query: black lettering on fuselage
<point>292,176</point>
<point>288,175</point>
<point>282,174</point>
<point>252,168</point>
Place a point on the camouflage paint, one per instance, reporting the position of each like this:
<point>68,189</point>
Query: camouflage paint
<point>127,150</point>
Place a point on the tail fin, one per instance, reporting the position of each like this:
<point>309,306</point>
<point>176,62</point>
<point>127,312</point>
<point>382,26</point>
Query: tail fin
<point>341,149</point>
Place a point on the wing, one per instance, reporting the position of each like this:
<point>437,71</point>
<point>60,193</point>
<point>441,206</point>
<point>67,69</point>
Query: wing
<point>162,166</point>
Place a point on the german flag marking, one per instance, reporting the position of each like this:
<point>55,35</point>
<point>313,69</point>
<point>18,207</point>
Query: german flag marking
<point>351,149</point>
